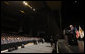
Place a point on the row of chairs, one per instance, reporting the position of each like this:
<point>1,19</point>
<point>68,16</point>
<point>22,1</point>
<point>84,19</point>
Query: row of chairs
<point>12,39</point>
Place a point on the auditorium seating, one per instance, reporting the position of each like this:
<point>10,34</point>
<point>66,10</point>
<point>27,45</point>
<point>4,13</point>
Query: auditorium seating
<point>9,41</point>
<point>7,38</point>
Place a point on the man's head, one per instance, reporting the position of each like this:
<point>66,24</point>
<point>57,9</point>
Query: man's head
<point>71,26</point>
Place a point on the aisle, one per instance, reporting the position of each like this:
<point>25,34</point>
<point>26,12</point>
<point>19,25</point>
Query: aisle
<point>40,48</point>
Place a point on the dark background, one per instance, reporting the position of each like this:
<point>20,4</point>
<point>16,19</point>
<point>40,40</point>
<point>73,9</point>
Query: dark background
<point>46,18</point>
